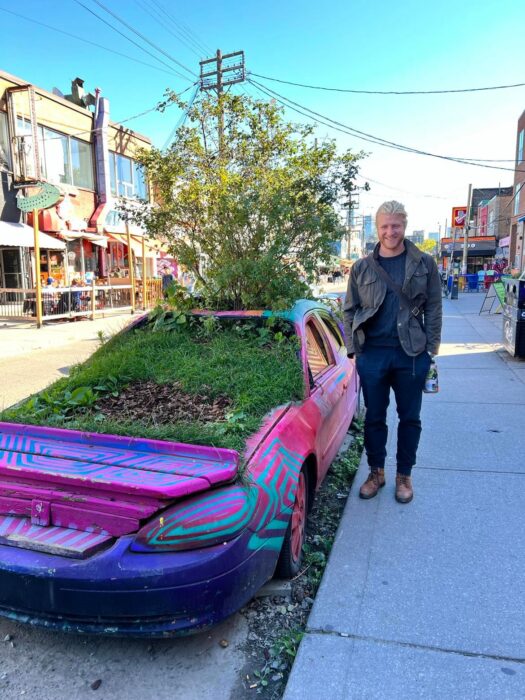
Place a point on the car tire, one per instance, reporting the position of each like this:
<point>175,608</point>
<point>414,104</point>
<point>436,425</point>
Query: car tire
<point>291,556</point>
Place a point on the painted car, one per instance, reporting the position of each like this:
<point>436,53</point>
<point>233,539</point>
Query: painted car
<point>127,536</point>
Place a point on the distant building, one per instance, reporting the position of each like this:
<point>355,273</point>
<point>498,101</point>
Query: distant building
<point>480,194</point>
<point>368,227</point>
<point>517,208</point>
<point>416,237</point>
<point>433,236</point>
<point>46,137</point>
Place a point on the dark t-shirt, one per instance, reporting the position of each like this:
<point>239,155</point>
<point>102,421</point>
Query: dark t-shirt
<point>381,329</point>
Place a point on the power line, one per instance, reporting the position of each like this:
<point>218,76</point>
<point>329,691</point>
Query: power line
<point>160,20</point>
<point>92,43</point>
<point>351,131</point>
<point>185,31</point>
<point>388,92</point>
<point>130,39</point>
<point>152,109</point>
<point>139,34</point>
<point>399,189</point>
<point>182,119</point>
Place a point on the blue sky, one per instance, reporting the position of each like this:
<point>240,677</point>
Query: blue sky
<point>373,45</point>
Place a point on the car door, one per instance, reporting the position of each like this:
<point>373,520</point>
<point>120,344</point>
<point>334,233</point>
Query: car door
<point>327,388</point>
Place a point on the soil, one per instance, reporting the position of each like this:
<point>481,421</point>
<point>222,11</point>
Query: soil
<point>148,402</point>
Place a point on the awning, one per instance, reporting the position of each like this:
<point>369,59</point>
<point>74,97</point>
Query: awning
<point>21,235</point>
<point>95,238</point>
<point>136,244</point>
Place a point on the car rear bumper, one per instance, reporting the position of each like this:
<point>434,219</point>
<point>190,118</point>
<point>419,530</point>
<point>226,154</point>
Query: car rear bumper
<point>119,593</point>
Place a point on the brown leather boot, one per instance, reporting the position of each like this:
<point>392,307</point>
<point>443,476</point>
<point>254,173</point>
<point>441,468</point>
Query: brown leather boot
<point>374,482</point>
<point>404,491</point>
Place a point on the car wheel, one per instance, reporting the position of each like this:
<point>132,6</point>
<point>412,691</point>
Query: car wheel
<point>290,558</point>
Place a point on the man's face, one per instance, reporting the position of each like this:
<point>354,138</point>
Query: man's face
<point>391,232</point>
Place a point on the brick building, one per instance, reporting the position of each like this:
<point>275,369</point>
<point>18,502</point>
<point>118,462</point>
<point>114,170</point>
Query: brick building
<point>68,141</point>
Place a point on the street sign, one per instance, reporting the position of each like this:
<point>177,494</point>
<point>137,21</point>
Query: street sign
<point>48,195</point>
<point>459,216</point>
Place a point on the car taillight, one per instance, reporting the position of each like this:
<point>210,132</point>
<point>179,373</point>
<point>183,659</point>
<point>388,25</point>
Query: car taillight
<point>201,521</point>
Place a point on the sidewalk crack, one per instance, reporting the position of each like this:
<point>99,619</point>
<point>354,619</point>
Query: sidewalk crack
<point>412,645</point>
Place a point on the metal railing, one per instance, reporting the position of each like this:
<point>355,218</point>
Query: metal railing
<point>70,302</point>
<point>65,302</point>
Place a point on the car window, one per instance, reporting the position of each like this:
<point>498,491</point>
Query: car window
<point>332,329</point>
<point>317,350</point>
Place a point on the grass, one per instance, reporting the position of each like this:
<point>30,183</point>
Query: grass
<point>256,367</point>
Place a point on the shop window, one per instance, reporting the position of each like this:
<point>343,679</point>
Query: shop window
<point>82,163</point>
<point>74,257</point>
<point>24,146</point>
<point>140,182</point>
<point>56,157</point>
<point>126,177</point>
<point>65,160</point>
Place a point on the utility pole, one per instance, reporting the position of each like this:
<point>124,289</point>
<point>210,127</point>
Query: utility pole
<point>220,72</point>
<point>465,233</point>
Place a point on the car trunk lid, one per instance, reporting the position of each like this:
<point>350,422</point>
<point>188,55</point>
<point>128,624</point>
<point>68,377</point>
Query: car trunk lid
<point>55,483</point>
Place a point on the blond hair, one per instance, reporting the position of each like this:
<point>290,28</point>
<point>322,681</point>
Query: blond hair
<point>393,207</point>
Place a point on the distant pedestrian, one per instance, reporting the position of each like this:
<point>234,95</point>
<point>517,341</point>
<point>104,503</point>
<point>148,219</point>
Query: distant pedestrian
<point>49,297</point>
<point>393,316</point>
<point>167,280</point>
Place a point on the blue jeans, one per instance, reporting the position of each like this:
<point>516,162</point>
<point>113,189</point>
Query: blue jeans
<point>381,369</point>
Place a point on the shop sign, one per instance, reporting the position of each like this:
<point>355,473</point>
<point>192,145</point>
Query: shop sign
<point>459,215</point>
<point>473,247</point>
<point>45,198</point>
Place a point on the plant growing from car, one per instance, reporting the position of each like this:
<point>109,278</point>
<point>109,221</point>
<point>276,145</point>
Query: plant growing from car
<point>250,217</point>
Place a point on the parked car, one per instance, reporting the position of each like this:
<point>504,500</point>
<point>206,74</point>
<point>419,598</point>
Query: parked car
<point>120,535</point>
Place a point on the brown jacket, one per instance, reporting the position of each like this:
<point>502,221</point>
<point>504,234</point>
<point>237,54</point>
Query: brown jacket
<point>366,292</point>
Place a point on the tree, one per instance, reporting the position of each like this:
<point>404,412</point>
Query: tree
<point>257,208</point>
<point>428,246</point>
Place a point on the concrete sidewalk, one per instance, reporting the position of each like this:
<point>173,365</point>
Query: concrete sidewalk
<point>32,358</point>
<point>427,600</point>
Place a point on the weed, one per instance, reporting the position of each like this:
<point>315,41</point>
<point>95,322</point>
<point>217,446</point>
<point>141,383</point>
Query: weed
<point>287,645</point>
<point>63,405</point>
<point>102,337</point>
<point>235,423</point>
<point>111,386</point>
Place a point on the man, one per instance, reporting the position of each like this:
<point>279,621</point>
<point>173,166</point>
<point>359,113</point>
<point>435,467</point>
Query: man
<point>393,327</point>
<point>167,280</point>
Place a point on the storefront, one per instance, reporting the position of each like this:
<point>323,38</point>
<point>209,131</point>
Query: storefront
<point>85,255</point>
<point>481,252</point>
<point>17,262</point>
<point>118,257</point>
